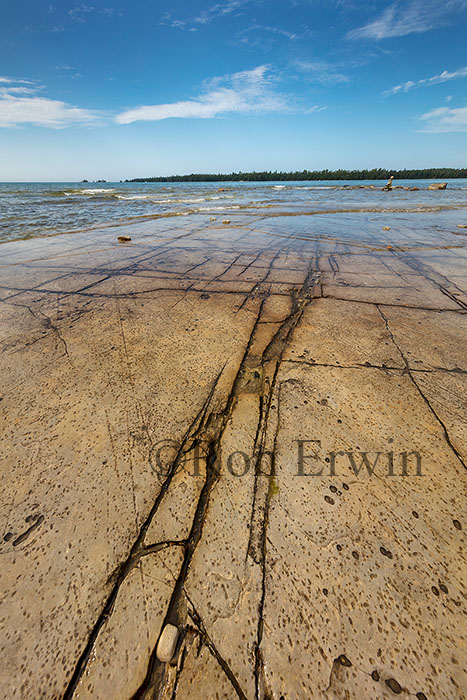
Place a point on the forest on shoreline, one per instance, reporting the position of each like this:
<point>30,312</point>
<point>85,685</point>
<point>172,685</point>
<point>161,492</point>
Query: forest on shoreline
<point>313,175</point>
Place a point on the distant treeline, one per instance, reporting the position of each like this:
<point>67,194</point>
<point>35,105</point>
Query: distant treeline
<point>268,176</point>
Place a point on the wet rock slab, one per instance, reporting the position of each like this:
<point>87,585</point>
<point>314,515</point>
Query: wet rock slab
<point>191,425</point>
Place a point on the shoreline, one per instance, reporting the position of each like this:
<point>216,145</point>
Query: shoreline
<point>38,209</point>
<point>258,212</point>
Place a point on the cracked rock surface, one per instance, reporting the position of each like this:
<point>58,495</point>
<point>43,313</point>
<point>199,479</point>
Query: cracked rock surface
<point>249,432</point>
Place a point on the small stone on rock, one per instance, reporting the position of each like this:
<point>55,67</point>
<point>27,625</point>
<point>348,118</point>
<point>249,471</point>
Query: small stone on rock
<point>167,643</point>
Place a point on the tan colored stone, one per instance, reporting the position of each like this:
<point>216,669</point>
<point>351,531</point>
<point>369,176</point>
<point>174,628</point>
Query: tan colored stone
<point>429,339</point>
<point>201,675</point>
<point>223,584</point>
<point>233,341</point>
<point>324,336</point>
<point>446,392</point>
<point>438,186</point>
<point>338,585</point>
<point>167,643</point>
<point>118,660</point>
<point>419,293</point>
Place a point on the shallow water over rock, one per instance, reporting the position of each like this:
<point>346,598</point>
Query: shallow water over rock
<point>38,209</point>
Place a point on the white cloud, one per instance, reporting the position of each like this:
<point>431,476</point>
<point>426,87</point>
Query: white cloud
<point>41,111</point>
<point>445,120</point>
<point>51,28</point>
<point>278,30</point>
<point>14,80</point>
<point>255,35</point>
<point>220,10</point>
<point>396,22</point>
<point>321,72</point>
<point>207,16</point>
<point>76,13</point>
<point>79,13</point>
<point>16,109</point>
<point>17,90</point>
<point>442,77</point>
<point>316,108</point>
<point>401,19</point>
<point>247,91</point>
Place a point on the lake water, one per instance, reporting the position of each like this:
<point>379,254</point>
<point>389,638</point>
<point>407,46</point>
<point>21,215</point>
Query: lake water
<point>37,209</point>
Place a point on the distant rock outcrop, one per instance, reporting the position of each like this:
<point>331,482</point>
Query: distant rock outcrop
<point>388,185</point>
<point>438,186</point>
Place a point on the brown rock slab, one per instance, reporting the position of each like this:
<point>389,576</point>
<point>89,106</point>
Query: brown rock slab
<point>252,436</point>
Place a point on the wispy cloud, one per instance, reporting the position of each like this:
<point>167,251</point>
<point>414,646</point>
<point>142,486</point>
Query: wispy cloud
<point>69,71</point>
<point>81,12</point>
<point>445,120</point>
<point>247,91</point>
<point>23,102</point>
<point>442,77</point>
<point>315,108</point>
<point>255,35</point>
<point>401,19</point>
<point>207,16</point>
<point>321,72</point>
<point>20,105</point>
<point>64,18</point>
<point>220,10</point>
<point>49,28</point>
<point>16,81</point>
<point>17,90</point>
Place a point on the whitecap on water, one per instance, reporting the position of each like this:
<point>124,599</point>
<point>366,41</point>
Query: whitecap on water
<point>91,192</point>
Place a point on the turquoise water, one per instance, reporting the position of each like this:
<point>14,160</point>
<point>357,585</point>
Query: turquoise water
<point>38,209</point>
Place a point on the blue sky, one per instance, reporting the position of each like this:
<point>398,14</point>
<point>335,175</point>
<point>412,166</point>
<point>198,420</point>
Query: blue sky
<point>122,89</point>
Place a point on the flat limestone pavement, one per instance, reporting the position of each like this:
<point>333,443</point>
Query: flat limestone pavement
<point>254,437</point>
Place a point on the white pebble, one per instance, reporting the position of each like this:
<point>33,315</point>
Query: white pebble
<point>167,643</point>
